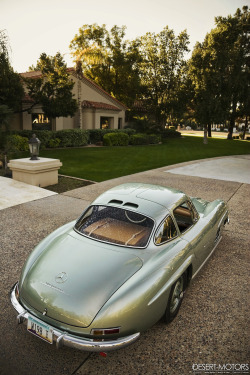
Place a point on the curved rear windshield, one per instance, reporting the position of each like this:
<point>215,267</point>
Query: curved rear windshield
<point>115,225</point>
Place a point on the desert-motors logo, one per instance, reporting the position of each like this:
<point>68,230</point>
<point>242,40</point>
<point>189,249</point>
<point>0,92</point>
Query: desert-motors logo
<point>227,368</point>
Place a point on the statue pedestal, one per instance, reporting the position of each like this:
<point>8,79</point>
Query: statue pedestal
<point>42,172</point>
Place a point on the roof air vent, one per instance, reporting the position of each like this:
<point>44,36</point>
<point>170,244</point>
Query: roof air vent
<point>115,201</point>
<point>131,205</point>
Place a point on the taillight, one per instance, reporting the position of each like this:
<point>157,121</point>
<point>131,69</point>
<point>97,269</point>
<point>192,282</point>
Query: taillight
<point>105,331</point>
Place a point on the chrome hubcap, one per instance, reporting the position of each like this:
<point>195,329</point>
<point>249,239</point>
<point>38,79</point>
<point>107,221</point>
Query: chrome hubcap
<point>176,296</point>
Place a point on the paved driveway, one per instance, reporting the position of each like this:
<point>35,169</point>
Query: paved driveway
<point>211,327</point>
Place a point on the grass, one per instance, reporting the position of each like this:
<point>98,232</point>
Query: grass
<point>104,163</point>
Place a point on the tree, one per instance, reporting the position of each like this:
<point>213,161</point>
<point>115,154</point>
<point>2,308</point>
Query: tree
<point>161,70</point>
<point>53,89</point>
<point>207,87</point>
<point>109,60</point>
<point>219,69</point>
<point>232,41</point>
<point>11,89</point>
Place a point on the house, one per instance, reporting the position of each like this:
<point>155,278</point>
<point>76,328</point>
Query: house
<point>97,109</point>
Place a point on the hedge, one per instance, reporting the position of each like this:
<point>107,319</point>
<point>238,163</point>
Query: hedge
<point>116,139</point>
<point>43,135</point>
<point>60,138</point>
<point>79,137</point>
<point>72,137</point>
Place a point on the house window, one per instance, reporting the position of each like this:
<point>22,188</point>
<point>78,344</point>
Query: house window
<point>41,122</point>
<point>104,123</point>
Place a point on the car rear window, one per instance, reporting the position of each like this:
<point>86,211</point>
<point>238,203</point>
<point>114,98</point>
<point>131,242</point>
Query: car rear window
<point>115,225</point>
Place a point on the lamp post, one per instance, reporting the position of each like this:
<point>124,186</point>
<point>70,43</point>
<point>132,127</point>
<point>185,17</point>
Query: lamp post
<point>34,145</point>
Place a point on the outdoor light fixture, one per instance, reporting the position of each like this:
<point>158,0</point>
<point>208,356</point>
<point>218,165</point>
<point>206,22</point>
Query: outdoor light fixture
<point>34,145</point>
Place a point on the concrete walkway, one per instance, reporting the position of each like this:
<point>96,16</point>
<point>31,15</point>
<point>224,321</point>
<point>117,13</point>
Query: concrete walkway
<point>14,192</point>
<point>226,169</point>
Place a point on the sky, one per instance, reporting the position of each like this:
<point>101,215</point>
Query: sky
<point>37,26</point>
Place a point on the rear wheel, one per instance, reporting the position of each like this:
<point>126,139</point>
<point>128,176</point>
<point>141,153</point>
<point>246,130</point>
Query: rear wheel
<point>175,298</point>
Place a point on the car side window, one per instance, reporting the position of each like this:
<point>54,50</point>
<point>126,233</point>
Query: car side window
<point>185,216</point>
<point>166,231</point>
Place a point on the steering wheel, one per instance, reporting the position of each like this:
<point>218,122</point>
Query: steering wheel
<point>134,221</point>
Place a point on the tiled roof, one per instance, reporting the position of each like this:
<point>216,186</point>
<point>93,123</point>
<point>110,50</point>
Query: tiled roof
<point>37,74</point>
<point>33,74</point>
<point>98,105</point>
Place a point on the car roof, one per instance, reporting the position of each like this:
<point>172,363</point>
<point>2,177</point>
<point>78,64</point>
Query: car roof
<point>148,199</point>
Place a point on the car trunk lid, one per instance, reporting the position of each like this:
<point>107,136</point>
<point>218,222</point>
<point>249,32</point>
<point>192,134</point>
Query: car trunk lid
<point>73,279</point>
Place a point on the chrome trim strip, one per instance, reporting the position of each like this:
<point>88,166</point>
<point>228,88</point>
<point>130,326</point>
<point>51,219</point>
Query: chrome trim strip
<point>81,343</point>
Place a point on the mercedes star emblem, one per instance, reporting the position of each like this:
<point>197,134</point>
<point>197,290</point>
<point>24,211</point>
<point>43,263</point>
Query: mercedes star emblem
<point>61,277</point>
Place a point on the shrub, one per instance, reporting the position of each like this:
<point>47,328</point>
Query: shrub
<point>116,139</point>
<point>17,143</point>
<point>96,135</point>
<point>153,139</point>
<point>138,139</point>
<point>54,142</point>
<point>72,137</point>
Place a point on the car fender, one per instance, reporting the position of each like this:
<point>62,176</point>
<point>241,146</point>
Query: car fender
<point>37,251</point>
<point>175,276</point>
<point>137,299</point>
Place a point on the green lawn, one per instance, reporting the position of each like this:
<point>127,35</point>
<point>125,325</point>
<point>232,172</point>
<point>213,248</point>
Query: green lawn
<point>103,163</point>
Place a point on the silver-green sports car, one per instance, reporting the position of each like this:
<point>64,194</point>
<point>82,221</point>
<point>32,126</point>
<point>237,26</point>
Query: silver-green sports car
<point>96,283</point>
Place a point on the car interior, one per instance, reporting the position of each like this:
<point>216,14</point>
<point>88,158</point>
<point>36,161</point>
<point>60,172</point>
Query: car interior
<point>116,225</point>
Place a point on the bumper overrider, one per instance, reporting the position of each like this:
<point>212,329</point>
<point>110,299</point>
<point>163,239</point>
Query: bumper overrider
<point>64,339</point>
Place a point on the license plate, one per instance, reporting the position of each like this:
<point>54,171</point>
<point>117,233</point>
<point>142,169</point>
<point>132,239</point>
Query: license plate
<point>40,329</point>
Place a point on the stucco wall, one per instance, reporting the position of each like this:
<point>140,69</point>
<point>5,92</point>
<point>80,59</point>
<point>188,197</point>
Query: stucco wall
<point>68,123</point>
<point>27,121</point>
<point>88,92</point>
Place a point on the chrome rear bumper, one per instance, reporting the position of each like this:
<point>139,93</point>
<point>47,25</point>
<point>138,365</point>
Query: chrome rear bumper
<point>63,338</point>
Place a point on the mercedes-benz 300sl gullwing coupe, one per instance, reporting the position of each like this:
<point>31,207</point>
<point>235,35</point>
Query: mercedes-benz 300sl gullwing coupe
<point>96,283</point>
